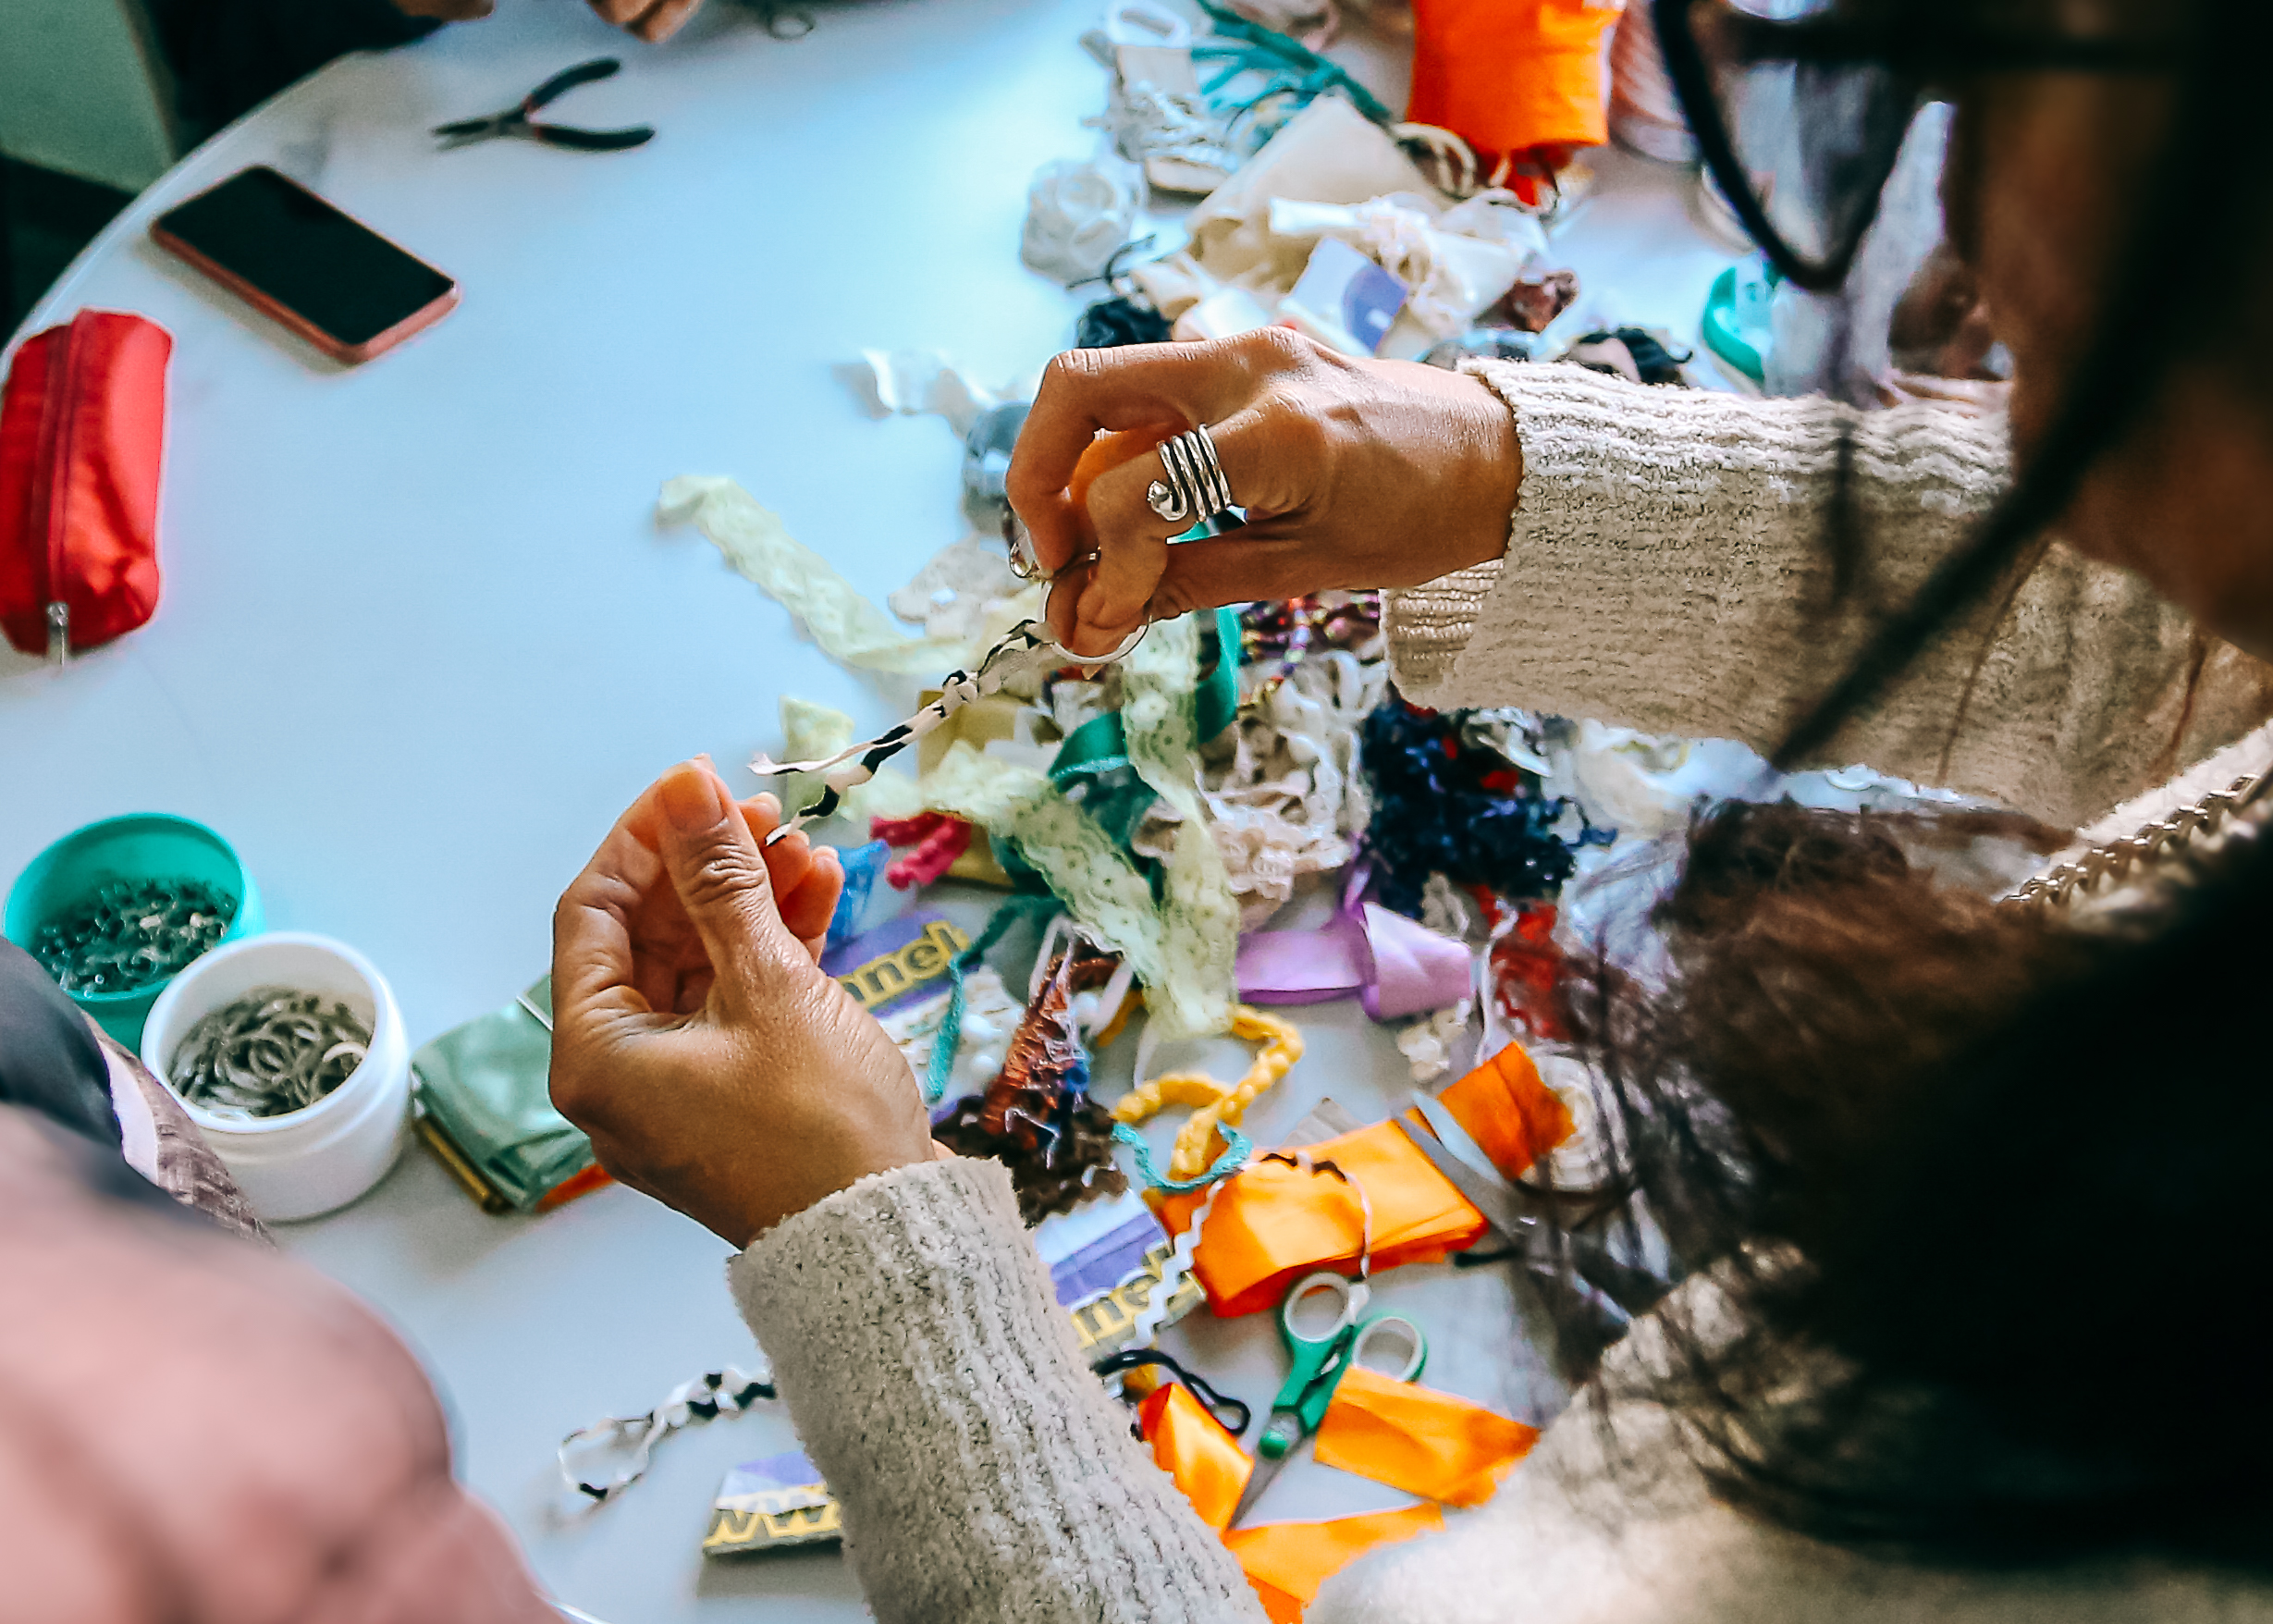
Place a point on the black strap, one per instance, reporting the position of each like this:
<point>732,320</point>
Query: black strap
<point>1217,1403</point>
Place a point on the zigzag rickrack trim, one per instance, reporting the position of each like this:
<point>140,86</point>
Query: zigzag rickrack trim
<point>2118,859</point>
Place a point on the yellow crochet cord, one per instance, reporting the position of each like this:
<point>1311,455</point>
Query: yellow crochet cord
<point>1215,1104</point>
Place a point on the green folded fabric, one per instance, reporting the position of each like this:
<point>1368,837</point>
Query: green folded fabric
<point>1101,745</point>
<point>484,1085</point>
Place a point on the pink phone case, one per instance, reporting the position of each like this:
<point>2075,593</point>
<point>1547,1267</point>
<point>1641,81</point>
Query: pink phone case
<point>285,315</point>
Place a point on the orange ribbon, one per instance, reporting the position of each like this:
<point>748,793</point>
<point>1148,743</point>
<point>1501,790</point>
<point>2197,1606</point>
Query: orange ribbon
<point>1287,1561</point>
<point>1513,1116</point>
<point>1193,1447</point>
<point>1419,1440</point>
<point>1284,1561</point>
<point>1274,1222</point>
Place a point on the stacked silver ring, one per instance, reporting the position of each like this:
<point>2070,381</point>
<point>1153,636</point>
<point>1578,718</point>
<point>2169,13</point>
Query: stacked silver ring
<point>1194,488</point>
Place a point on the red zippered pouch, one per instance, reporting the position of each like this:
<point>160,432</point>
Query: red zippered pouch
<point>82,425</point>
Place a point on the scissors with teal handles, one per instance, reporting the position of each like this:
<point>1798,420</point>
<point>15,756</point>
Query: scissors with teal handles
<point>1324,1337</point>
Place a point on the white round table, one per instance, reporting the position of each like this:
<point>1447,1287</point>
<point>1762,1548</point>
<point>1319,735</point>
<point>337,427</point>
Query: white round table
<point>420,638</point>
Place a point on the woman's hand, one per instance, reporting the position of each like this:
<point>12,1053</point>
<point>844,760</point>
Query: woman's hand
<point>1353,474</point>
<point>652,20</point>
<point>694,1037</point>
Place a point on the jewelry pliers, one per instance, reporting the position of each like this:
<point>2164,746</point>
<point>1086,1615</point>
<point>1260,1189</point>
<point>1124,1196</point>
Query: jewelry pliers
<point>515,120</point>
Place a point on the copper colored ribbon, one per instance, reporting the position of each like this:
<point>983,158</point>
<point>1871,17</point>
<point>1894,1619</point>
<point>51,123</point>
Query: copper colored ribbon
<point>1417,1439</point>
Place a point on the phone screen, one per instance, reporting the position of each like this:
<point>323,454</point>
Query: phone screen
<point>289,244</point>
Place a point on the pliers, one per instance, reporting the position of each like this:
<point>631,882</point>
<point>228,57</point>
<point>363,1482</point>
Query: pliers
<point>515,120</point>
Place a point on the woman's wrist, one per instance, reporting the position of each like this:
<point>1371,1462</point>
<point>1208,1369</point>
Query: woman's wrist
<point>1494,481</point>
<point>1474,465</point>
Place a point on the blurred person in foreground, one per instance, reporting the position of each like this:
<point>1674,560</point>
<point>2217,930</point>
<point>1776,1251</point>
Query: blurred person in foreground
<point>1968,1189</point>
<point>193,1427</point>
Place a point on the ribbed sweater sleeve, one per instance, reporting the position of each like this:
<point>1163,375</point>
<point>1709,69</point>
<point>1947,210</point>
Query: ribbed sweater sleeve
<point>934,1380</point>
<point>1667,569</point>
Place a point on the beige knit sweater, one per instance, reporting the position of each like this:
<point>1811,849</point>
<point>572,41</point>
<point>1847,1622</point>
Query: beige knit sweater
<point>1667,571</point>
<point>1661,559</point>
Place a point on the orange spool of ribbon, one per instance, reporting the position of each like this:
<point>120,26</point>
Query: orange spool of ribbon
<point>1284,1561</point>
<point>1287,1561</point>
<point>1517,79</point>
<point>1512,1114</point>
<point>1274,1222</point>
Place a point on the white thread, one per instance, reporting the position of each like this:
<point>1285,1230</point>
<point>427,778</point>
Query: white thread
<point>727,1391</point>
<point>1024,647</point>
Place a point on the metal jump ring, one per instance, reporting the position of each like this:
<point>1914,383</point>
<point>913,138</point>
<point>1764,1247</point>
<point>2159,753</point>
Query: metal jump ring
<point>1126,647</point>
<point>1026,565</point>
<point>1194,488</point>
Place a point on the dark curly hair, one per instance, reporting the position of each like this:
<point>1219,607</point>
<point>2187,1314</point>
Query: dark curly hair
<point>1979,1183</point>
<point>1976,1186</point>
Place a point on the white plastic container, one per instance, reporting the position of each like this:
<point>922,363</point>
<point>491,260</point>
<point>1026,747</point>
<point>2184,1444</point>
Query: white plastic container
<point>308,1162</point>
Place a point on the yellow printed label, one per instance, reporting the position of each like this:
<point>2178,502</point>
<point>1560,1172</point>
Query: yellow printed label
<point>773,1502</point>
<point>1103,1322</point>
<point>926,958</point>
<point>756,1531</point>
<point>776,1519</point>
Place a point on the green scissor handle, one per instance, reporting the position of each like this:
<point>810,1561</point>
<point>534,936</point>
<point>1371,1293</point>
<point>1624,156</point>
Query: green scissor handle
<point>1322,1352</point>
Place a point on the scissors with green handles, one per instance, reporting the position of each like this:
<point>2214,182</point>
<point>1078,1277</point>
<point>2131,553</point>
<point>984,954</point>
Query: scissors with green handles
<point>1324,1337</point>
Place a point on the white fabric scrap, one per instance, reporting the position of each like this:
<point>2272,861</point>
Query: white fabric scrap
<point>914,383</point>
<point>848,627</point>
<point>1078,214</point>
<point>989,1018</point>
<point>1427,1043</point>
<point>1625,780</point>
<point>951,595</point>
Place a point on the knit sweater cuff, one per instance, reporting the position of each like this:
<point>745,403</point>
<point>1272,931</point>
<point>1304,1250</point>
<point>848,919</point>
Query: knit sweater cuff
<point>936,1383</point>
<point>1430,625</point>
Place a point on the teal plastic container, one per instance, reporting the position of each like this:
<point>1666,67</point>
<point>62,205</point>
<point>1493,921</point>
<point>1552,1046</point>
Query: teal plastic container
<point>141,845</point>
<point>1734,326</point>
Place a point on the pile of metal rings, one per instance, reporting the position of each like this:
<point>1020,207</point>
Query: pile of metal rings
<point>272,1052</point>
<point>132,934</point>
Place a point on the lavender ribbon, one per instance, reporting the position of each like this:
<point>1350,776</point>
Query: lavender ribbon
<point>1396,966</point>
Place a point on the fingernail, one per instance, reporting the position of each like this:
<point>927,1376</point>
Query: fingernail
<point>690,797</point>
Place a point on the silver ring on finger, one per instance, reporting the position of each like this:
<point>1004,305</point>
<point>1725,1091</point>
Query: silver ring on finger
<point>1192,486</point>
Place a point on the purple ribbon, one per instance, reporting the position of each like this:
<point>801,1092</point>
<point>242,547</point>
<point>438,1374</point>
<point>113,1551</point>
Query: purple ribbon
<point>1394,965</point>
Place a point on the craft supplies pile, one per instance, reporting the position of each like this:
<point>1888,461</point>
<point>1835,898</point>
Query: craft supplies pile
<point>1234,818</point>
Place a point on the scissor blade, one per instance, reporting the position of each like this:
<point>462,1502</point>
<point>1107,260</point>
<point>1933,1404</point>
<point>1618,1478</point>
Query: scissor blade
<point>1257,1482</point>
<point>1501,1209</point>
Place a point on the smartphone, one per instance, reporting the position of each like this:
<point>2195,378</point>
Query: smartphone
<point>300,261</point>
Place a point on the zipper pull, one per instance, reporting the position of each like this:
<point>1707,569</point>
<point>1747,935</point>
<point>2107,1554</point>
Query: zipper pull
<point>58,633</point>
